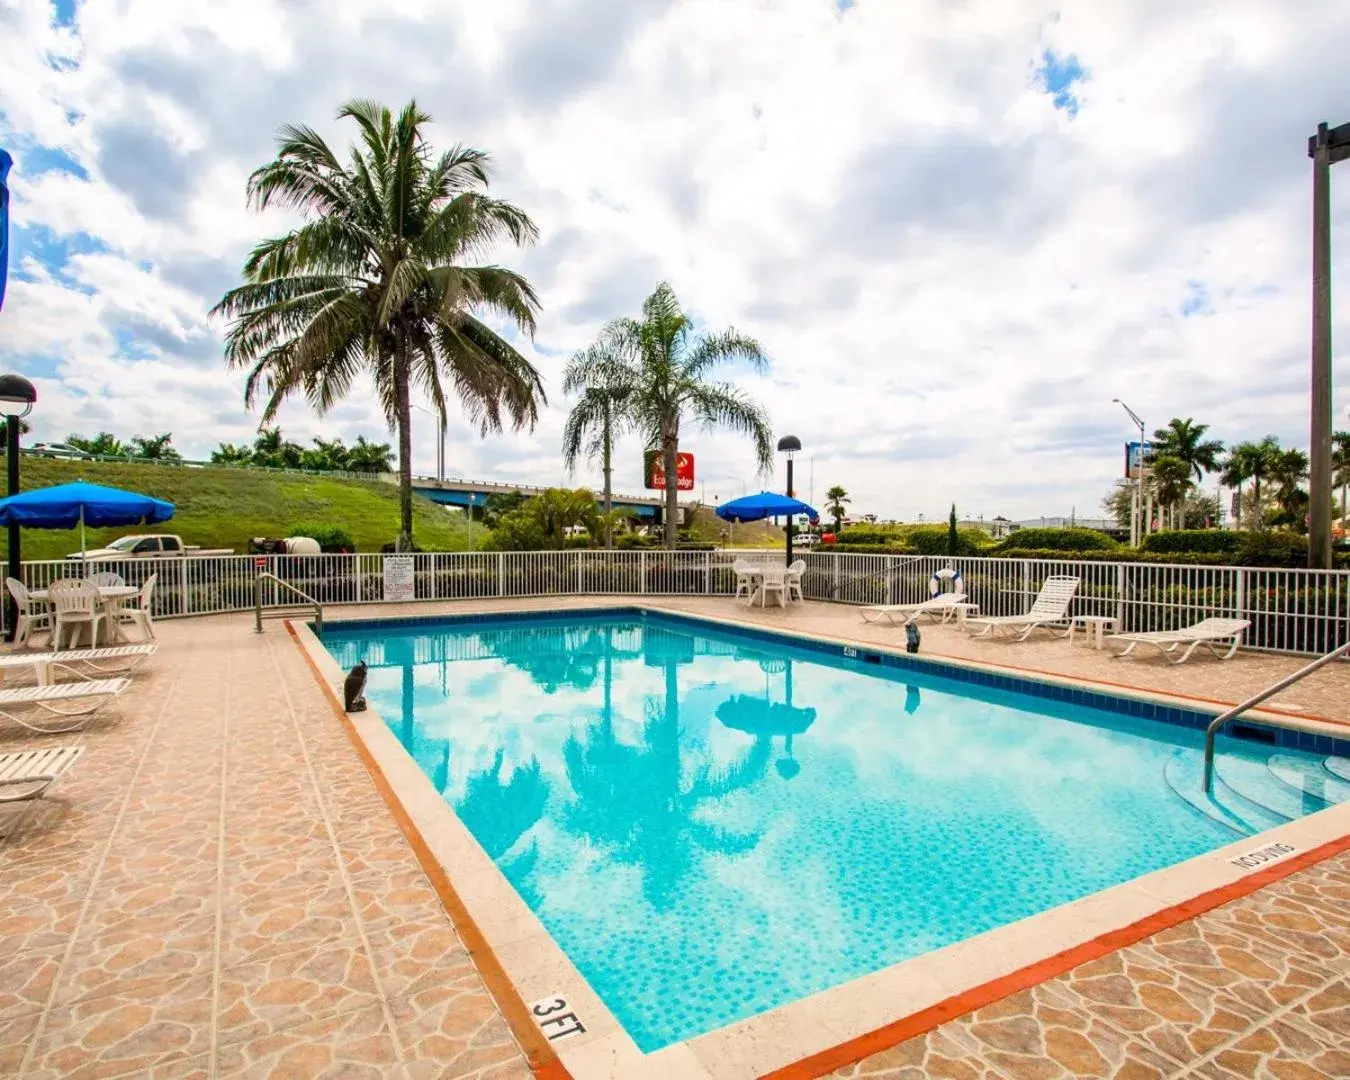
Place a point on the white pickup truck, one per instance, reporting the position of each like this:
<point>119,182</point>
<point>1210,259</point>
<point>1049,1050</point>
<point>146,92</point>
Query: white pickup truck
<point>147,546</point>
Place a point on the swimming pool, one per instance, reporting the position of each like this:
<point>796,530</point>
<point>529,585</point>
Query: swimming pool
<point>711,823</point>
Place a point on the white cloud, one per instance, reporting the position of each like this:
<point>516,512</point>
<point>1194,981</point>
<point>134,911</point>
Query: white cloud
<point>952,276</point>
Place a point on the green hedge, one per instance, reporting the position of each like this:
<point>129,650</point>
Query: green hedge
<point>869,534</point>
<point>932,540</point>
<point>1193,540</point>
<point>1057,540</point>
<point>871,549</point>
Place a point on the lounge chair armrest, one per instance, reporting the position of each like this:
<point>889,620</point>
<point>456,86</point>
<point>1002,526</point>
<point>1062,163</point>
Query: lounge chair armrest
<point>43,779</point>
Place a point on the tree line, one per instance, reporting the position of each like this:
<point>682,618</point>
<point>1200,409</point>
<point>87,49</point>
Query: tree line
<point>1267,477</point>
<point>270,450</point>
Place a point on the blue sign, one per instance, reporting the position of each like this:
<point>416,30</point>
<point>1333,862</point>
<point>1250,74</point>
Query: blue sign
<point>1134,459</point>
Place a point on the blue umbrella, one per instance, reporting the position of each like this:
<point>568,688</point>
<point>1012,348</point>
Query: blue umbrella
<point>68,505</point>
<point>765,504</point>
<point>5,162</point>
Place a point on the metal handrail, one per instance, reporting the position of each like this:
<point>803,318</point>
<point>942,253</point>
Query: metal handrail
<point>258,602</point>
<point>1252,702</point>
<point>905,560</point>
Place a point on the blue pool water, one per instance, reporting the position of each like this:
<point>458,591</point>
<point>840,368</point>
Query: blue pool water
<point>712,824</point>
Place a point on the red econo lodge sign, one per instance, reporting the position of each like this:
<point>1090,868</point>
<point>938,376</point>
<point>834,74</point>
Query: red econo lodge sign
<point>654,472</point>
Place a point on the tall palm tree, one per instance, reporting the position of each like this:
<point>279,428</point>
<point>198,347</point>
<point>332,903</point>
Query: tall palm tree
<point>836,503</point>
<point>1185,440</point>
<point>375,282</point>
<point>1171,478</point>
<point>601,376</point>
<point>1250,461</point>
<point>664,367</point>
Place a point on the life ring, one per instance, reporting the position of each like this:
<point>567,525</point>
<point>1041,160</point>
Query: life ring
<point>947,573</point>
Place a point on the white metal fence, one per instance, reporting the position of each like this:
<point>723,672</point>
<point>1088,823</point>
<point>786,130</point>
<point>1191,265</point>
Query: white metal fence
<point>1302,611</point>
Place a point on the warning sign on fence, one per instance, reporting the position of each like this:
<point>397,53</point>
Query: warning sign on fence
<point>398,578</point>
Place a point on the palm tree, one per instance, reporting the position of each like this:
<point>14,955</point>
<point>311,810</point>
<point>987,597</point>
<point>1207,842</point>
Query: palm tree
<point>1288,469</point>
<point>365,456</point>
<point>104,444</point>
<point>1340,461</point>
<point>1185,439</point>
<point>663,366</point>
<point>600,375</point>
<point>1250,461</point>
<point>155,447</point>
<point>555,510</point>
<point>24,429</point>
<point>229,454</point>
<point>836,502</point>
<point>1171,478</point>
<point>374,282</point>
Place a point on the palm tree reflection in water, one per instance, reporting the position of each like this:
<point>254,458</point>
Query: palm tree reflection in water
<point>642,803</point>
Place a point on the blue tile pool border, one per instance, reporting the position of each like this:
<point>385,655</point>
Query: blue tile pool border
<point>863,655</point>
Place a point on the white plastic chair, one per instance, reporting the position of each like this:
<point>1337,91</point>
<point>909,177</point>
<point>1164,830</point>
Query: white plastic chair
<point>745,579</point>
<point>774,581</point>
<point>30,618</point>
<point>793,581</point>
<point>105,579</point>
<point>139,612</point>
<point>75,603</point>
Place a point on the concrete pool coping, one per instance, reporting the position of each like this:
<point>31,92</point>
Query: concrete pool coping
<point>523,965</point>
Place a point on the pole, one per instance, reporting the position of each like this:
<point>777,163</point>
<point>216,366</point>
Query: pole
<point>15,561</point>
<point>1319,450</point>
<point>1145,496</point>
<point>789,520</point>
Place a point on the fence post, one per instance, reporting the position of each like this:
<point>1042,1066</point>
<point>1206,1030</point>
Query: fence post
<point>1120,598</point>
<point>834,575</point>
<point>1240,593</point>
<point>183,585</point>
<point>581,586</point>
<point>642,573</point>
<point>501,573</point>
<point>707,573</point>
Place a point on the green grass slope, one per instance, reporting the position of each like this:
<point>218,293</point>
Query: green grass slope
<point>224,508</point>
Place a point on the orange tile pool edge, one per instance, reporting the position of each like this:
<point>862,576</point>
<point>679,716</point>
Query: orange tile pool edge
<point>919,1023</point>
<point>546,1065</point>
<point>542,1059</point>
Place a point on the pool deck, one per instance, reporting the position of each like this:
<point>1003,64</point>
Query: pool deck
<point>220,889</point>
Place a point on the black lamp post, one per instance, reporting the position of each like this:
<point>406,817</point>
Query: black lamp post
<point>789,445</point>
<point>15,391</point>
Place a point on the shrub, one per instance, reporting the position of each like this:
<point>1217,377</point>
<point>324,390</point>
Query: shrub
<point>872,549</point>
<point>1058,540</point>
<point>1193,541</point>
<point>869,534</point>
<point>933,539</point>
<point>330,537</point>
<point>1272,549</point>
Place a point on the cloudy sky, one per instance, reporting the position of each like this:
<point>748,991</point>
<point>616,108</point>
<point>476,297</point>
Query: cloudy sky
<point>958,227</point>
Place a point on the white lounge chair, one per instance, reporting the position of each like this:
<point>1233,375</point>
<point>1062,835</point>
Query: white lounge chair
<point>27,774</point>
<point>1215,633</point>
<point>85,663</point>
<point>77,701</point>
<point>940,607</point>
<point>1050,610</point>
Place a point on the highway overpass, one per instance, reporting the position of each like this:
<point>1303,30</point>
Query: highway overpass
<point>466,493</point>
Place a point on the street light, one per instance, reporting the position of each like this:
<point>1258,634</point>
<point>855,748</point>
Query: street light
<point>789,445</point>
<point>15,391</point>
<point>1138,528</point>
<point>440,446</point>
<point>1325,148</point>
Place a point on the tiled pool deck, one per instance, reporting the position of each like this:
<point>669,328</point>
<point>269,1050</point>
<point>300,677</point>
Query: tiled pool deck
<point>218,889</point>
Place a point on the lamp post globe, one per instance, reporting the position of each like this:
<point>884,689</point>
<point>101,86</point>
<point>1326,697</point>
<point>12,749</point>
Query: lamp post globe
<point>17,397</point>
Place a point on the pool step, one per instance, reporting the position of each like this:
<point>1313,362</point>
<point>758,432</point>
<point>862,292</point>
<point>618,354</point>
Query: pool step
<point>1310,779</point>
<point>1183,773</point>
<point>1338,766</point>
<point>1250,777</point>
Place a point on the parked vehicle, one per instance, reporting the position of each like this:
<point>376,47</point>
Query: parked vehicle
<point>60,450</point>
<point>291,545</point>
<point>148,546</point>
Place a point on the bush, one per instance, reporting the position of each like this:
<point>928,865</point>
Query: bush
<point>869,534</point>
<point>331,538</point>
<point>1193,541</point>
<point>932,540</point>
<point>1272,549</point>
<point>1057,540</point>
<point>872,549</point>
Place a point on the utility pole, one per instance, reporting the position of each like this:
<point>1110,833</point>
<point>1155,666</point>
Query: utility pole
<point>1325,148</point>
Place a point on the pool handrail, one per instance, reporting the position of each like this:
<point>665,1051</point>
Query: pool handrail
<point>1270,691</point>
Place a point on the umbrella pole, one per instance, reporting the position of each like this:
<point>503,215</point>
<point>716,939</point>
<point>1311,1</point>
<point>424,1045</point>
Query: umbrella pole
<point>83,561</point>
